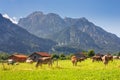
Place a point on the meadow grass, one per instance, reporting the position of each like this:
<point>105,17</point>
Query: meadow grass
<point>85,70</point>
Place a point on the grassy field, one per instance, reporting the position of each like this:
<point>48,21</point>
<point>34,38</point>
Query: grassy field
<point>65,71</point>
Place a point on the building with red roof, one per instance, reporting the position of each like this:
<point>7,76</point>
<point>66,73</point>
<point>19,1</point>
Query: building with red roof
<point>18,57</point>
<point>36,55</point>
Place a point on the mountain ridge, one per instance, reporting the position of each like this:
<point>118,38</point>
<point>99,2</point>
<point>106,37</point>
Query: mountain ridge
<point>82,31</point>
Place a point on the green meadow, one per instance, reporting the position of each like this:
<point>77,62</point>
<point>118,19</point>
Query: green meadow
<point>86,70</point>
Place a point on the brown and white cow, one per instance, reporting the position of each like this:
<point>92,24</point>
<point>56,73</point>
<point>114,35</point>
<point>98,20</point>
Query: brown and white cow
<point>74,60</point>
<point>44,60</point>
<point>80,59</point>
<point>96,58</point>
<point>115,57</point>
<point>110,57</point>
<point>107,58</point>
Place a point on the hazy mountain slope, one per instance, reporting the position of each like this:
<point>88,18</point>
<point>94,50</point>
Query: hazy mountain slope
<point>106,41</point>
<point>15,39</point>
<point>72,32</point>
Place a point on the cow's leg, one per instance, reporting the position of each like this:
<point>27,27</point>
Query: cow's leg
<point>50,64</point>
<point>111,59</point>
<point>92,60</point>
<point>37,64</point>
<point>75,63</point>
<point>40,64</point>
<point>105,62</point>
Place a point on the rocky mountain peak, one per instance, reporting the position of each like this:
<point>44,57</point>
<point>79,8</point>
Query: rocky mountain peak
<point>43,24</point>
<point>83,32</point>
<point>84,19</point>
<point>53,15</point>
<point>36,14</point>
<point>76,21</point>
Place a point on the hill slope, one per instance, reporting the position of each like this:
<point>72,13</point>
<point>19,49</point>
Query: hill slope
<point>15,39</point>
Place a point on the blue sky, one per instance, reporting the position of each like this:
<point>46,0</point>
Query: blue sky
<point>104,13</point>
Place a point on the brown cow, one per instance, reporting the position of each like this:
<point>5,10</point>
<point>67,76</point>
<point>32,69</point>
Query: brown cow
<point>45,60</point>
<point>96,58</point>
<point>80,59</point>
<point>74,60</point>
<point>115,57</point>
<point>110,57</point>
<point>107,58</point>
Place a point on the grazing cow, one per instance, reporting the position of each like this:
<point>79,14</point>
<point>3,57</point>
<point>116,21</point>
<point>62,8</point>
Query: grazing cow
<point>80,59</point>
<point>115,57</point>
<point>96,58</point>
<point>74,60</point>
<point>44,60</point>
<point>110,57</point>
<point>105,59</point>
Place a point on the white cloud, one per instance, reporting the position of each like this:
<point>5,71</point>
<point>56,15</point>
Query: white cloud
<point>13,19</point>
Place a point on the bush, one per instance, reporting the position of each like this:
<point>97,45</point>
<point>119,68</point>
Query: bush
<point>118,54</point>
<point>91,53</point>
<point>4,56</point>
<point>62,56</point>
<point>55,56</point>
<point>69,56</point>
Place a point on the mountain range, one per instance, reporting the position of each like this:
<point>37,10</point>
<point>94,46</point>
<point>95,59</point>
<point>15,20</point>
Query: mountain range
<point>14,38</point>
<point>73,33</point>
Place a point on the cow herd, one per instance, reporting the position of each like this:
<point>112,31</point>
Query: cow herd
<point>98,57</point>
<point>104,58</point>
<point>74,59</point>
